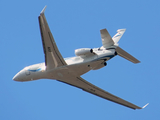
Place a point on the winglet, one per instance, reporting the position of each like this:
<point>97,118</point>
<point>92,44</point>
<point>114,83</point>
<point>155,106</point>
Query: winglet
<point>43,10</point>
<point>145,106</point>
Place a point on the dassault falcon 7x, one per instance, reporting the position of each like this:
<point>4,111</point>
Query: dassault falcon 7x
<point>69,70</point>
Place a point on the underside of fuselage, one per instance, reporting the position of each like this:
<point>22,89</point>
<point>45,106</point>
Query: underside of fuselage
<point>76,65</point>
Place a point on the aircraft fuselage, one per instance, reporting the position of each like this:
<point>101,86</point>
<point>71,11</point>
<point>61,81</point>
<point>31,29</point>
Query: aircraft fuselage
<point>84,64</point>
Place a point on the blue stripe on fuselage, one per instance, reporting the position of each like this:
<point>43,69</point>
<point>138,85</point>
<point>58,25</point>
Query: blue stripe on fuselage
<point>102,58</point>
<point>34,70</point>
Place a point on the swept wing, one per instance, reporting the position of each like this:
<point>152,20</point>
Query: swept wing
<point>88,87</point>
<point>53,58</point>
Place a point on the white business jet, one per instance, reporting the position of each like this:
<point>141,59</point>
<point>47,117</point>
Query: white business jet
<point>69,70</point>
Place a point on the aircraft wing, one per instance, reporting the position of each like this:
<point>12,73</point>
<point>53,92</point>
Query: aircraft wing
<point>53,58</point>
<point>88,87</point>
<point>106,38</point>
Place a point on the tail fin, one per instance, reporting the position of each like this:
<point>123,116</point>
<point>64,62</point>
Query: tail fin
<point>126,55</point>
<point>118,35</point>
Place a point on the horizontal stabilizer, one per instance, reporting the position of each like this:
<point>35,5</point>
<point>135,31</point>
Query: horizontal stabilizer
<point>106,38</point>
<point>126,55</point>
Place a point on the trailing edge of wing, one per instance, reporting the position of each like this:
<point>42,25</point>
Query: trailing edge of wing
<point>53,58</point>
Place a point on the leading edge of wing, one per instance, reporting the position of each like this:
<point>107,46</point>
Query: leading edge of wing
<point>88,87</point>
<point>53,58</point>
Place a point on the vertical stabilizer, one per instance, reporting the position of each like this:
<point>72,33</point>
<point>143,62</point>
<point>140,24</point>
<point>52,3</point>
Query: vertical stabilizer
<point>118,35</point>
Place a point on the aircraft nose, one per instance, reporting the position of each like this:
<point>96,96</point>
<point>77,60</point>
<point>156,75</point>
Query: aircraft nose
<point>15,78</point>
<point>19,76</point>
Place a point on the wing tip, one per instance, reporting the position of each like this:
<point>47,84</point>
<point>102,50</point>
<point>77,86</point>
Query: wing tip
<point>42,12</point>
<point>137,61</point>
<point>145,105</point>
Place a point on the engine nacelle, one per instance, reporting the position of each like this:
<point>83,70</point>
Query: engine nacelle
<point>100,66</point>
<point>83,51</point>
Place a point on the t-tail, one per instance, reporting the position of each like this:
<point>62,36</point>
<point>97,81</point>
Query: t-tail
<point>109,42</point>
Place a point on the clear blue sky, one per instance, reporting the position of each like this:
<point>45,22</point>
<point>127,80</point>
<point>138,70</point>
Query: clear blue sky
<point>76,24</point>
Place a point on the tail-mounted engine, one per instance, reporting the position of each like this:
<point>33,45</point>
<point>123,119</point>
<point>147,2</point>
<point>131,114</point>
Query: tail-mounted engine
<point>83,51</point>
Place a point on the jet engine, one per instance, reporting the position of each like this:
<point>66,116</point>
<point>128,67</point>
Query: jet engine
<point>83,51</point>
<point>100,66</point>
